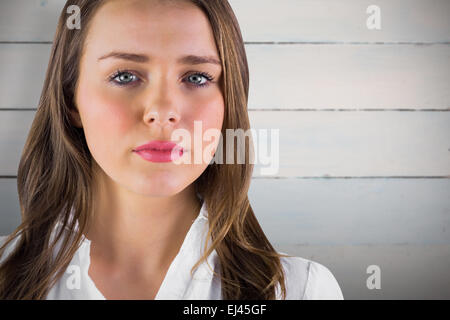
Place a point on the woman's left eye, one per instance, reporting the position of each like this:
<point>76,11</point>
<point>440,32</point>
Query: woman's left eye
<point>198,81</point>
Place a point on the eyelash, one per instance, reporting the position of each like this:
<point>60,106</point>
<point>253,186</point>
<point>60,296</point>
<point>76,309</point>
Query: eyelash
<point>208,77</point>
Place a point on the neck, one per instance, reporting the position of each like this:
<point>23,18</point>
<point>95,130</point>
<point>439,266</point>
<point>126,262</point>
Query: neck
<point>129,229</point>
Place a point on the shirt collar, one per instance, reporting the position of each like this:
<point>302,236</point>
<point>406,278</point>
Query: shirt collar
<point>178,282</point>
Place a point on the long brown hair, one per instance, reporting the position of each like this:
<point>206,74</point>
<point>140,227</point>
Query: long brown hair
<point>55,177</point>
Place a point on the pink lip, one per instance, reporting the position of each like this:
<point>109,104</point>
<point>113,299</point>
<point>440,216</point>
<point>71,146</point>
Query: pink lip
<point>160,151</point>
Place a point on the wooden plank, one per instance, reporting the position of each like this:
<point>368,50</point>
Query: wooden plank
<point>298,76</point>
<point>24,67</point>
<point>352,211</point>
<point>283,20</point>
<point>29,20</point>
<point>335,212</point>
<point>407,271</point>
<point>314,143</point>
<point>342,21</point>
<point>322,144</point>
<point>348,76</point>
<point>10,208</point>
<point>14,128</point>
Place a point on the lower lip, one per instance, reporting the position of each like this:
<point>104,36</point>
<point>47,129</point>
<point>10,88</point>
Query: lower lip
<point>160,155</point>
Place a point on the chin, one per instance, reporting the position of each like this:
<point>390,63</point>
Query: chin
<point>159,186</point>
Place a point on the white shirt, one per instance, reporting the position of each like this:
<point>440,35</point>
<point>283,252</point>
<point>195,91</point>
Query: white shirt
<point>305,279</point>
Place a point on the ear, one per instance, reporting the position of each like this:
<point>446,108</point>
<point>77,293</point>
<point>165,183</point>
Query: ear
<point>75,118</point>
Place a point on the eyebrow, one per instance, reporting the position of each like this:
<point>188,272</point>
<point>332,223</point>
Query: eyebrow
<point>140,58</point>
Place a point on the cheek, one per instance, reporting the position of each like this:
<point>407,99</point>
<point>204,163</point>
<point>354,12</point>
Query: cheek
<point>104,119</point>
<point>209,111</point>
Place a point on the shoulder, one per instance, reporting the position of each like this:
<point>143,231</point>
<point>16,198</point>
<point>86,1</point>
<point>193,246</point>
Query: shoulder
<point>309,280</point>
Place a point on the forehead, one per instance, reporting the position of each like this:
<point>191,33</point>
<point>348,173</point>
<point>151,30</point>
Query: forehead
<point>159,28</point>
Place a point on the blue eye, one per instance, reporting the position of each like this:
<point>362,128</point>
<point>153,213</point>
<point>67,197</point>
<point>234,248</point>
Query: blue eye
<point>197,79</point>
<point>123,78</point>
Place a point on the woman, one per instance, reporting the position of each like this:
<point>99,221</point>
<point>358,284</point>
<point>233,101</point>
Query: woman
<point>106,215</point>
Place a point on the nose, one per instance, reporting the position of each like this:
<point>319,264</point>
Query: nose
<point>162,105</point>
<point>161,117</point>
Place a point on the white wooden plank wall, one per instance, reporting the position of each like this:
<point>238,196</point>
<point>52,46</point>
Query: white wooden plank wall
<point>364,131</point>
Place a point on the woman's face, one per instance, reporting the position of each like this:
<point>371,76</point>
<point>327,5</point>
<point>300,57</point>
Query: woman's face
<point>134,88</point>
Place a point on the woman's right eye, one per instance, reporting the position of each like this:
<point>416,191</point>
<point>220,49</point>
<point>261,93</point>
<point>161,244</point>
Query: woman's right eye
<point>123,78</point>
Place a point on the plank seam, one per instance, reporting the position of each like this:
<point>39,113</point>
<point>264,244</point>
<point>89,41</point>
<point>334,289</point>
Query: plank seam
<point>304,109</point>
<point>321,177</point>
<point>419,43</point>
